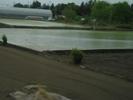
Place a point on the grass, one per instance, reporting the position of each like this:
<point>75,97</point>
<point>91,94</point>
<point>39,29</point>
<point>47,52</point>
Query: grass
<point>2,25</point>
<point>4,40</point>
<point>77,56</point>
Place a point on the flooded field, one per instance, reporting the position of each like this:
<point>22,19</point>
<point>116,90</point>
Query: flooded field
<point>40,39</point>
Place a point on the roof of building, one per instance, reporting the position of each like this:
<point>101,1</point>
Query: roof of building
<point>25,11</point>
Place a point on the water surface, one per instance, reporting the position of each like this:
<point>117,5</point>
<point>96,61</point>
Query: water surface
<point>40,39</point>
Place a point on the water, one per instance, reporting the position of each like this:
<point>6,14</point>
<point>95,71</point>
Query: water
<point>40,39</point>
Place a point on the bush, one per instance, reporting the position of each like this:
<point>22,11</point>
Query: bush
<point>4,40</point>
<point>77,56</point>
<point>124,26</point>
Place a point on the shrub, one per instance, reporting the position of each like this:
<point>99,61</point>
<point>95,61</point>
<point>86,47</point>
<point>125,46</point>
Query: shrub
<point>4,40</point>
<point>124,26</point>
<point>77,56</point>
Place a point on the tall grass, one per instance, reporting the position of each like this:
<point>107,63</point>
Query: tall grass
<point>77,56</point>
<point>4,40</point>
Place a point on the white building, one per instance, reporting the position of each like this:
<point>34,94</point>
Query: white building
<point>25,13</point>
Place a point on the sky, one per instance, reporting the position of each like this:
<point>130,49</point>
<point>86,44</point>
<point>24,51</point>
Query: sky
<point>11,2</point>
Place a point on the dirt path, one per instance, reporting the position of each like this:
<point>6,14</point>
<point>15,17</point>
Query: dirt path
<point>18,68</point>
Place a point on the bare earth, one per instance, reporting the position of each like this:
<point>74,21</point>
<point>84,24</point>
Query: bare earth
<point>118,63</point>
<point>19,68</point>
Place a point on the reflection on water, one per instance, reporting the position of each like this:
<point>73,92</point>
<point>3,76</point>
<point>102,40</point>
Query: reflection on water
<point>39,39</point>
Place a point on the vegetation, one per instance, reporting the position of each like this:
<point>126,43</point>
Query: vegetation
<point>101,12</point>
<point>77,56</point>
<point>69,13</point>
<point>2,25</point>
<point>121,13</point>
<point>4,40</point>
<point>19,5</point>
<point>104,13</point>
<point>35,4</point>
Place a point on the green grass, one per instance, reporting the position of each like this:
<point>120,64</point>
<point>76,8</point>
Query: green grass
<point>2,25</point>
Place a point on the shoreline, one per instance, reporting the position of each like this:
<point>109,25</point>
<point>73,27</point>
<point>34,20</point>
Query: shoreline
<point>112,62</point>
<point>58,51</point>
<point>70,28</point>
<point>2,25</point>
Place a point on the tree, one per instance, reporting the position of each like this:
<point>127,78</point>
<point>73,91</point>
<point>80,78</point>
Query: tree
<point>59,8</point>
<point>69,13</point>
<point>19,5</point>
<point>52,6</point>
<point>90,5</point>
<point>45,6</point>
<point>82,9</point>
<point>36,4</point>
<point>26,6</point>
<point>85,8</point>
<point>121,13</point>
<point>131,7</point>
<point>132,11</point>
<point>101,11</point>
<point>53,10</point>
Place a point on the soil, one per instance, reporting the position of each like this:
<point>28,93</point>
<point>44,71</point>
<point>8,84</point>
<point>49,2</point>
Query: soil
<point>118,63</point>
<point>19,68</point>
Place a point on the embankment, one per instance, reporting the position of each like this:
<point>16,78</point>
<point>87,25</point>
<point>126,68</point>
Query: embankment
<point>114,62</point>
<point>66,27</point>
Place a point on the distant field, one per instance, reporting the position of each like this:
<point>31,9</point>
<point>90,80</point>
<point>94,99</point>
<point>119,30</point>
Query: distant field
<point>20,22</point>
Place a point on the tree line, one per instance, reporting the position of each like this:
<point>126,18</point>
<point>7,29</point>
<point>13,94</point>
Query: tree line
<point>100,11</point>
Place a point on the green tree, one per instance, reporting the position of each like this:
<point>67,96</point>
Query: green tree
<point>131,7</point>
<point>121,13</point>
<point>45,6</point>
<point>85,8</point>
<point>132,11</point>
<point>36,4</point>
<point>19,5</point>
<point>82,9</point>
<point>59,8</point>
<point>52,7</point>
<point>69,13</point>
<point>101,11</point>
<point>89,6</point>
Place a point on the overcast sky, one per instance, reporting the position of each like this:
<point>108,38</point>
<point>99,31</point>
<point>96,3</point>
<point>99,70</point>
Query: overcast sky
<point>11,2</point>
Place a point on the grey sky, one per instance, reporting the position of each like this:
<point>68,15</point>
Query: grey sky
<point>11,2</point>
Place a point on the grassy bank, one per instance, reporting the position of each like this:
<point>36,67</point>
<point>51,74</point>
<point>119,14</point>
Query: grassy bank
<point>84,27</point>
<point>54,27</point>
<point>2,25</point>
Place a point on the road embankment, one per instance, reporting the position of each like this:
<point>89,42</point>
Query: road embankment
<point>114,62</point>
